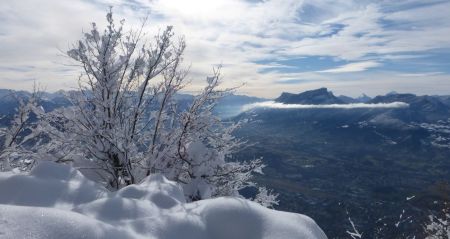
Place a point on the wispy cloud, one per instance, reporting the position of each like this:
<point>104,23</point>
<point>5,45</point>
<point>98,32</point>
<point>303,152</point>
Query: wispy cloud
<point>293,81</point>
<point>353,67</point>
<point>277,105</point>
<point>421,74</point>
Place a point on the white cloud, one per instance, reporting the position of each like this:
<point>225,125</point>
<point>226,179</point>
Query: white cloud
<point>353,67</point>
<point>245,36</point>
<point>277,105</point>
<point>421,74</point>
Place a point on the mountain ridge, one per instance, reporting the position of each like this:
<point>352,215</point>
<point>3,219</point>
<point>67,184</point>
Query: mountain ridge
<point>317,96</point>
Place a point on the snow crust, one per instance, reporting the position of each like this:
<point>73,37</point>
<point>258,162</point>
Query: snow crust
<point>57,201</point>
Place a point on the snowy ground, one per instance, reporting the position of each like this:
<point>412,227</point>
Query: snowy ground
<point>57,201</point>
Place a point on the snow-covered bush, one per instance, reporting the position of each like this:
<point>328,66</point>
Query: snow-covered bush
<point>21,141</point>
<point>266,197</point>
<point>124,124</point>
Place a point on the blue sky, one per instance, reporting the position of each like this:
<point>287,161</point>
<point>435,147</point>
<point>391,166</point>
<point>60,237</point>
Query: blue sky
<point>351,47</point>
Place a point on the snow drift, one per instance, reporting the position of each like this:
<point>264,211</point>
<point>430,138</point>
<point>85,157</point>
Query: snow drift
<point>57,201</point>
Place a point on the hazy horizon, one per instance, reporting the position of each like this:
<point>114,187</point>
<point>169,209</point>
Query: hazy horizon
<point>241,93</point>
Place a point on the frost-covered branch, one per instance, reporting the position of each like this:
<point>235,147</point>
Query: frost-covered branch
<point>354,233</point>
<point>22,139</point>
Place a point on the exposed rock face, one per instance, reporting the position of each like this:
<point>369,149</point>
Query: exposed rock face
<point>319,96</point>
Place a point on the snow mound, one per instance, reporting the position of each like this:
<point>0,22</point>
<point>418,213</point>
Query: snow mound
<point>44,222</point>
<point>157,189</point>
<point>243,219</point>
<point>57,201</point>
<point>49,185</point>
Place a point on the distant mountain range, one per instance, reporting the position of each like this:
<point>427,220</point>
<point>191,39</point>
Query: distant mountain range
<point>231,105</point>
<point>228,106</point>
<point>9,100</point>
<point>313,97</point>
<point>421,108</point>
<point>361,99</point>
<point>319,96</point>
